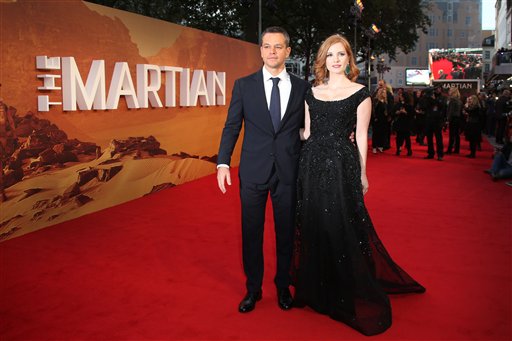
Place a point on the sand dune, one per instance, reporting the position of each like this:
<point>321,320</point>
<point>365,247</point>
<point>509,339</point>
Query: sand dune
<point>50,203</point>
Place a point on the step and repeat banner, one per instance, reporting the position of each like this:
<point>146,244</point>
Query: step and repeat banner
<point>101,106</point>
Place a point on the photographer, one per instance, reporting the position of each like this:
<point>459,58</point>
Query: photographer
<point>503,108</point>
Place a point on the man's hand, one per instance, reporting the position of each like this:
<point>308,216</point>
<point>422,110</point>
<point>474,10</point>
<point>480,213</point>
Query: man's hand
<point>364,183</point>
<point>352,137</point>
<point>223,176</point>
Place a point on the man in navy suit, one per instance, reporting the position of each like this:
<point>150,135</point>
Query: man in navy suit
<point>270,104</point>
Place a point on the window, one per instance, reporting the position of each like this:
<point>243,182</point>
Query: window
<point>449,33</point>
<point>433,32</point>
<point>400,82</point>
<point>462,34</point>
<point>414,61</point>
<point>487,54</point>
<point>487,67</point>
<point>468,21</point>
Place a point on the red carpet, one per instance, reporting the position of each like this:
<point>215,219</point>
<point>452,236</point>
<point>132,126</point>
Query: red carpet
<point>168,266</point>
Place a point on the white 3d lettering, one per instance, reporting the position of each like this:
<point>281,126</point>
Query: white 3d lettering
<point>208,91</point>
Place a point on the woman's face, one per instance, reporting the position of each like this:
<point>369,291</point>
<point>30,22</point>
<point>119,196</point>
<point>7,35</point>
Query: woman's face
<point>381,94</point>
<point>337,59</point>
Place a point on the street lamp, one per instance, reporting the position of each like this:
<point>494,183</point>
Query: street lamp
<point>356,10</point>
<point>382,68</point>
<point>370,34</point>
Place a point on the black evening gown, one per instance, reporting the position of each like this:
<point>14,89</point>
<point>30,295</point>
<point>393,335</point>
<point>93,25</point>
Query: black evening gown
<point>341,267</point>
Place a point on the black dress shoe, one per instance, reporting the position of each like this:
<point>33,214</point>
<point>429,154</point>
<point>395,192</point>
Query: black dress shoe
<point>428,157</point>
<point>284,299</point>
<point>249,302</point>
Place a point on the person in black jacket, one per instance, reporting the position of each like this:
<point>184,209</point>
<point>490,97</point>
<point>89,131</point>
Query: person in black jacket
<point>434,107</point>
<point>380,121</point>
<point>403,121</point>
<point>454,116</point>
<point>390,105</point>
<point>502,108</point>
<point>419,118</point>
<point>472,112</point>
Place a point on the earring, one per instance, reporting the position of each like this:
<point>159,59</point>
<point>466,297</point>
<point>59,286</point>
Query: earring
<point>347,69</point>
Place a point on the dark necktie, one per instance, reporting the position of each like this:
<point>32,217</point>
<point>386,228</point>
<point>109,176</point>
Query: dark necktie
<point>275,104</point>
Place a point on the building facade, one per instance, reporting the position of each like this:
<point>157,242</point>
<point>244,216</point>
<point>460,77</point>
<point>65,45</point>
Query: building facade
<point>454,24</point>
<point>487,53</point>
<point>500,74</point>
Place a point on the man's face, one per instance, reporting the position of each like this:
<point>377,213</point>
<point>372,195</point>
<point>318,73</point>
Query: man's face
<point>274,51</point>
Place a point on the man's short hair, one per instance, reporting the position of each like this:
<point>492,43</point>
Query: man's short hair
<point>277,29</point>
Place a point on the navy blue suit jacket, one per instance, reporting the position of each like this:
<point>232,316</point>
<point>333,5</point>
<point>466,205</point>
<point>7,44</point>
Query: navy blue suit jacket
<point>262,146</point>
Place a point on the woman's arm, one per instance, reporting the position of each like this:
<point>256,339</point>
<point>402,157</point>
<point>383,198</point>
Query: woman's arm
<point>363,119</point>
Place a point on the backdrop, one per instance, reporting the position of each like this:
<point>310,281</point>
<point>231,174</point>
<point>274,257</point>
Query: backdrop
<point>105,106</point>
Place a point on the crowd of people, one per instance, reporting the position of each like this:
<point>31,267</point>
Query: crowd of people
<point>426,113</point>
<point>503,56</point>
<point>464,65</point>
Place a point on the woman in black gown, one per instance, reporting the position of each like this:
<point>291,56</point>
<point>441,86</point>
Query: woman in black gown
<point>341,269</point>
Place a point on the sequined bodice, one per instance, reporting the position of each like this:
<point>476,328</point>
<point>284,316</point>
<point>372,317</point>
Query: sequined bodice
<point>329,152</point>
<point>334,119</point>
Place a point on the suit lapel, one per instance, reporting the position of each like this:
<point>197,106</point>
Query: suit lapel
<point>261,100</point>
<point>291,100</point>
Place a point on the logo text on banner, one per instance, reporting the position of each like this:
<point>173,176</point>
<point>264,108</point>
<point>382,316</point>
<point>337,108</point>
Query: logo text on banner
<point>198,86</point>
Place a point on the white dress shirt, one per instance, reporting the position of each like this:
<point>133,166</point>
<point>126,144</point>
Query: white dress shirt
<point>285,88</point>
